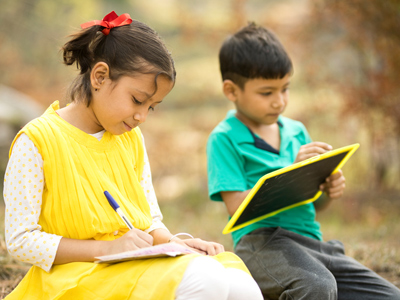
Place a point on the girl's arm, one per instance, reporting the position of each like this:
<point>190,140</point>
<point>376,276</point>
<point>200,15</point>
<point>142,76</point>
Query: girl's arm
<point>23,188</point>
<point>71,250</point>
<point>147,185</point>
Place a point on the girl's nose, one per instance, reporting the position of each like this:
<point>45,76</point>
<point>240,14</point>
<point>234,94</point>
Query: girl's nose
<point>140,116</point>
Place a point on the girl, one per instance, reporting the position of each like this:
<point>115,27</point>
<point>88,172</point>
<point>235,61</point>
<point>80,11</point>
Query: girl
<point>57,217</point>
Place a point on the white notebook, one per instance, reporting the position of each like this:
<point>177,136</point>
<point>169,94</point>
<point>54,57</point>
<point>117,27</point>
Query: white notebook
<point>162,250</point>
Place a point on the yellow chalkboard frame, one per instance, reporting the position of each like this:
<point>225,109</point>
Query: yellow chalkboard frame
<point>231,226</point>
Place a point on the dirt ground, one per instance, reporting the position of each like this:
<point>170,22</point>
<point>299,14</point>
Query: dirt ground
<point>366,223</point>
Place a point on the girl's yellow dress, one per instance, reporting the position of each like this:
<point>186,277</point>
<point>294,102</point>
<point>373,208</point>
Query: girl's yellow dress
<point>77,170</point>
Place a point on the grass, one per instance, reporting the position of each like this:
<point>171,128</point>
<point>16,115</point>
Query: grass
<point>366,222</point>
<point>11,271</point>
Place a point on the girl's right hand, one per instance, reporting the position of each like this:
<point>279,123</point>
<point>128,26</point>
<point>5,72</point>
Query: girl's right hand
<point>132,240</point>
<point>312,149</point>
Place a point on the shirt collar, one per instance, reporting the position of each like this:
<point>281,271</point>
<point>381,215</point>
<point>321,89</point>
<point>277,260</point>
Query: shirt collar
<point>262,144</point>
<point>243,134</point>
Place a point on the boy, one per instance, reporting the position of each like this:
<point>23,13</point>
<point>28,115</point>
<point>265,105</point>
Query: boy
<point>285,253</point>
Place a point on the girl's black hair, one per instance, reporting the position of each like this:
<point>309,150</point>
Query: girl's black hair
<point>127,50</point>
<point>253,52</point>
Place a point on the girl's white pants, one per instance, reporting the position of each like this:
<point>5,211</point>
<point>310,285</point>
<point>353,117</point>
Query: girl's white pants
<point>207,279</point>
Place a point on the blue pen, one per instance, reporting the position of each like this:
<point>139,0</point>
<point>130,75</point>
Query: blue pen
<point>115,206</point>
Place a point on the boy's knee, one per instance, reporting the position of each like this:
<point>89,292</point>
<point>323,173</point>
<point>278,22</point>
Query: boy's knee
<point>303,286</point>
<point>316,288</point>
<point>325,286</point>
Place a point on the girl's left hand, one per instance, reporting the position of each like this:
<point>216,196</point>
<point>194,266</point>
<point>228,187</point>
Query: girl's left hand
<point>334,185</point>
<point>203,247</point>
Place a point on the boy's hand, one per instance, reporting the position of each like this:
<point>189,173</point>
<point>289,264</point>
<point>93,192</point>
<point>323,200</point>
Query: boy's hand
<point>334,185</point>
<point>312,149</point>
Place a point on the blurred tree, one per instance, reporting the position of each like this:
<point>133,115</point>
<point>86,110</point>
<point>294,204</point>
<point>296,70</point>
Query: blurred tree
<point>359,43</point>
<point>33,32</point>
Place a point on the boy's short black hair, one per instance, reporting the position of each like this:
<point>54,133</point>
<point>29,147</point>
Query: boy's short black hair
<point>253,52</point>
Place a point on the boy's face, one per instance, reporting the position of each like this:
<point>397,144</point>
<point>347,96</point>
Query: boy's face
<point>261,101</point>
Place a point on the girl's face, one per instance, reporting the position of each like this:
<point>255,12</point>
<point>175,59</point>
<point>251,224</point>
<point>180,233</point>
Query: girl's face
<point>119,106</point>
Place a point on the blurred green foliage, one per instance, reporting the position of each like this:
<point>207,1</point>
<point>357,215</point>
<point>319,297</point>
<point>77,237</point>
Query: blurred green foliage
<point>329,54</point>
<point>359,44</point>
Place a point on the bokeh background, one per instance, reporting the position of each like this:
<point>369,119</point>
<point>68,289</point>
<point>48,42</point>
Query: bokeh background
<point>345,89</point>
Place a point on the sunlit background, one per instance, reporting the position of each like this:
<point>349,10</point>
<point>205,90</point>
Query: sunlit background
<point>344,89</point>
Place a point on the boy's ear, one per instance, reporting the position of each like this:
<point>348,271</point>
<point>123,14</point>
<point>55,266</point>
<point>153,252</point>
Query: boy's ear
<point>230,90</point>
<point>99,74</point>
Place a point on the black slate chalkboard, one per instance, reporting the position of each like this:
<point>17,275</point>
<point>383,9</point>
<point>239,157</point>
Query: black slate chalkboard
<point>289,187</point>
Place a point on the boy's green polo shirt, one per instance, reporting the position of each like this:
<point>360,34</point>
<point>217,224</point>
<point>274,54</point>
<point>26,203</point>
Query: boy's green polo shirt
<point>237,159</point>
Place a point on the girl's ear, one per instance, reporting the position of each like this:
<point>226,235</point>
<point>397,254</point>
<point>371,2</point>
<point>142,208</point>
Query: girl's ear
<point>99,74</point>
<point>230,90</point>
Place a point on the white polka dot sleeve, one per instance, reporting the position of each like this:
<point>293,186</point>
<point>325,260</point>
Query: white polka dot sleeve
<point>23,189</point>
<point>147,184</point>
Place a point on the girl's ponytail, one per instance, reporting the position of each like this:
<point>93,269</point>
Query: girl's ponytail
<point>79,49</point>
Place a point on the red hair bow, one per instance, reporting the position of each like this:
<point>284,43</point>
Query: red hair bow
<point>109,21</point>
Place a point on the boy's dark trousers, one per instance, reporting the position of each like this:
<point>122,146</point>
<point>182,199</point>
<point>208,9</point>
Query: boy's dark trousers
<point>287,265</point>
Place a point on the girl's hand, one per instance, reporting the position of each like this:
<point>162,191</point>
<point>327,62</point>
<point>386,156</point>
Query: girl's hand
<point>132,240</point>
<point>200,246</point>
<point>312,149</point>
<point>334,185</point>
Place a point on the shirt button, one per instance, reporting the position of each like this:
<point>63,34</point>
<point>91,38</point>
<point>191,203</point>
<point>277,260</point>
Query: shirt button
<point>116,232</point>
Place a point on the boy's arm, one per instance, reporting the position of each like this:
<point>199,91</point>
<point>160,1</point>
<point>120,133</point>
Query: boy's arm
<point>225,167</point>
<point>233,200</point>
